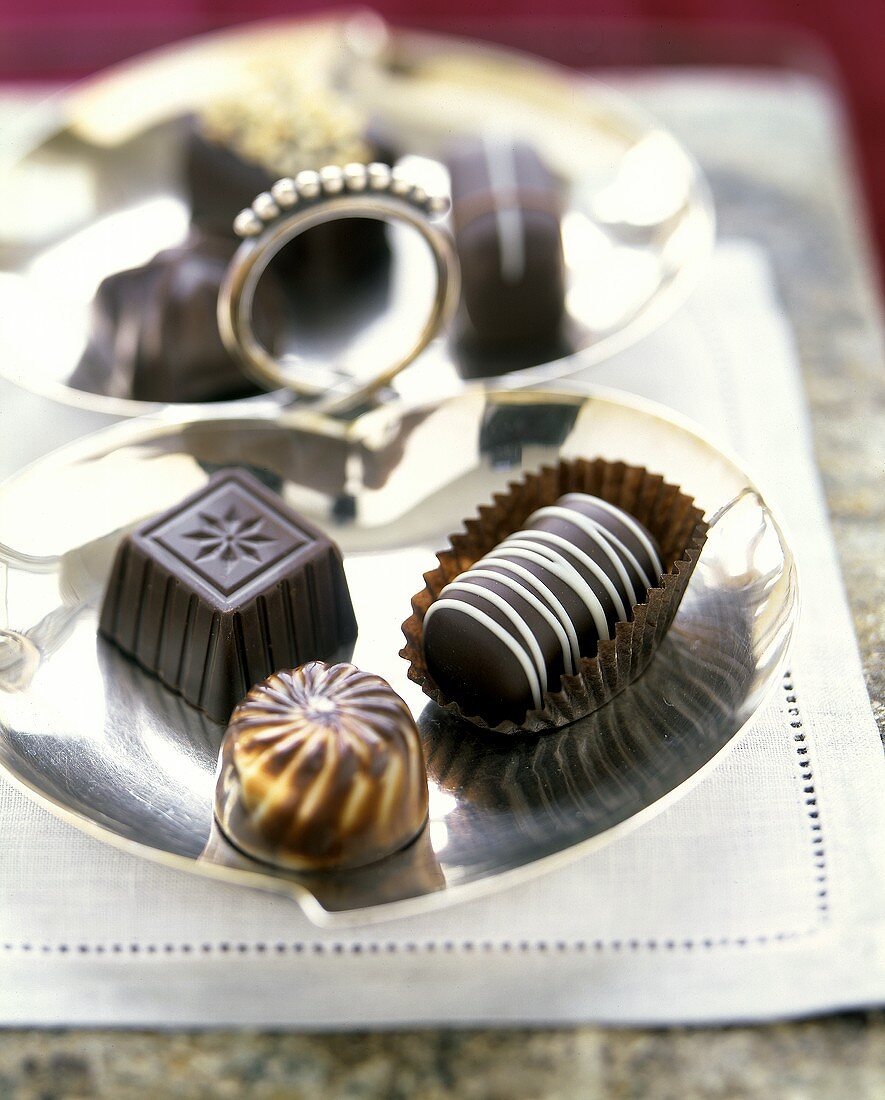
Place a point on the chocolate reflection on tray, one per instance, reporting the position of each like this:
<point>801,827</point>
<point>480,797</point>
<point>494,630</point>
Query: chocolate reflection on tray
<point>324,463</point>
<point>506,429</point>
<point>153,707</point>
<point>143,765</point>
<point>601,770</point>
<point>170,744</point>
<point>408,873</point>
<point>478,360</point>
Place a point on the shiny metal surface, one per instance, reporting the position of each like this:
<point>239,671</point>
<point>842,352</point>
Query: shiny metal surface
<point>107,747</point>
<point>103,191</point>
<point>375,193</point>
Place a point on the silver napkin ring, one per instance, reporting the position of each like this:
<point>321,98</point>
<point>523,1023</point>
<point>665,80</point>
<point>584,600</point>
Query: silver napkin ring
<point>290,208</point>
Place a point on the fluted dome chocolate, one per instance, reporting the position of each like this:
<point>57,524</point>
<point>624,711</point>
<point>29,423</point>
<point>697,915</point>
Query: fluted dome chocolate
<point>321,768</point>
<point>503,633</point>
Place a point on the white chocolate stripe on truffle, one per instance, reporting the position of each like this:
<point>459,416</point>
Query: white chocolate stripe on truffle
<point>630,523</point>
<point>567,627</point>
<point>594,530</point>
<point>631,559</point>
<point>463,584</point>
<point>533,601</point>
<point>547,565</point>
<point>557,545</point>
<point>500,632</point>
<point>555,563</point>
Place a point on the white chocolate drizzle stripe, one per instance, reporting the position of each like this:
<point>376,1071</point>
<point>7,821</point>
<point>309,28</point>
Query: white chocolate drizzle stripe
<point>533,601</point>
<point>547,594</point>
<point>463,584</point>
<point>594,530</point>
<point>559,544</point>
<point>556,564</point>
<point>631,558</point>
<point>546,564</point>
<point>503,635</point>
<point>630,523</point>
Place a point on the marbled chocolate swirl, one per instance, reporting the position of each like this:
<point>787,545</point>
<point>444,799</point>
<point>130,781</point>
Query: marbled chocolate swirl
<point>322,767</point>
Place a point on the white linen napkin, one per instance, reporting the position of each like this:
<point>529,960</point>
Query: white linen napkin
<point>760,893</point>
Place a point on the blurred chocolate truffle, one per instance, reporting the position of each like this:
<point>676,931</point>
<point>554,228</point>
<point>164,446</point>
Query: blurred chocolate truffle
<point>154,334</point>
<point>506,209</point>
<point>282,122</point>
<point>213,594</point>
<point>503,633</point>
<point>321,768</point>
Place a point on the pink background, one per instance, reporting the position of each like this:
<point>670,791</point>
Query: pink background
<point>845,38</point>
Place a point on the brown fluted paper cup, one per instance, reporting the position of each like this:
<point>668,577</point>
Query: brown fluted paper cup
<point>669,514</point>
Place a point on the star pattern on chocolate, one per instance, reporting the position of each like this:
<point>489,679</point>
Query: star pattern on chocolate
<point>230,538</point>
<point>226,540</point>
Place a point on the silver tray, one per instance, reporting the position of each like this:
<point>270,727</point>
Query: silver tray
<point>106,747</point>
<point>100,191</point>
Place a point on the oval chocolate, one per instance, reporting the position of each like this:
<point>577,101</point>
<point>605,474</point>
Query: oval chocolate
<point>505,631</point>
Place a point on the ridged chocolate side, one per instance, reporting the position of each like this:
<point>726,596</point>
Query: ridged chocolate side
<point>210,645</point>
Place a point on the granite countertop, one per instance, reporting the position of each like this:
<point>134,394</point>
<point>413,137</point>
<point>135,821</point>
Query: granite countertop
<point>779,174</point>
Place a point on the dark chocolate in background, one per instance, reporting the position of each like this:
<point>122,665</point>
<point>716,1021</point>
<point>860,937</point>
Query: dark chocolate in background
<point>524,314</point>
<point>154,330</point>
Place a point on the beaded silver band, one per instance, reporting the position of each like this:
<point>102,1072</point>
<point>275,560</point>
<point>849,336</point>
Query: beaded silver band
<point>293,206</point>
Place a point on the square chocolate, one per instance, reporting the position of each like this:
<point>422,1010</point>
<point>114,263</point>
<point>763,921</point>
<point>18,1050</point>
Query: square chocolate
<point>225,588</point>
